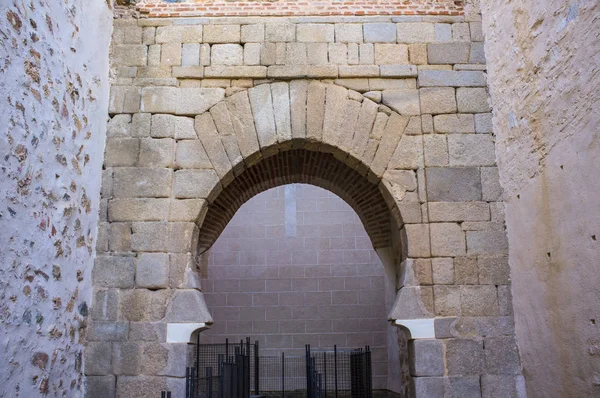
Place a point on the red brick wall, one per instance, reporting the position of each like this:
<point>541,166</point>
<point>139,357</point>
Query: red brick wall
<point>323,286</point>
<point>158,8</point>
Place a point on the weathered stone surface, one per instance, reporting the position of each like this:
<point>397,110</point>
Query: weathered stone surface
<point>405,102</point>
<point>464,357</point>
<point>179,34</point>
<point>358,71</point>
<point>478,300</point>
<point>149,236</point>
<point>113,271</point>
<point>129,55</point>
<point>119,126</point>
<point>193,101</point>
<point>379,32</point>
<point>178,310</point>
<point>455,123</point>
<point>472,100</point>
<point>335,102</point>
<point>127,358</point>
<point>152,270</point>
<point>98,355</point>
<point>490,182</point>
<point>280,93</point>
<point>190,154</point>
<point>140,125</point>
<point>281,32</point>
<point>100,386</point>
<point>392,133</point>
<point>453,184</point>
<point>195,184</point>
<point>447,239</point>
<point>448,53</point>
<point>227,54</point>
<point>140,182</point>
<point>222,34</point>
<point>211,142</point>
<point>427,386</point>
<point>417,53</point>
<point>235,72</point>
<point>417,236</point>
<point>156,152</point>
<point>254,33</point>
<point>426,357</point>
<point>190,54</point>
<point>348,33</point>
<point>398,71</point>
<point>386,54</point>
<point>493,270</point>
<point>243,125</point>
<point>502,386</point>
<point>477,55</point>
<point>138,209</point>
<point>298,98</point>
<point>459,211</point>
<point>471,150</point>
<point>170,54</point>
<point>261,102</point>
<point>315,33</point>
<point>465,270</point>
<point>159,99</point>
<point>437,100</point>
<point>487,242</point>
<point>435,150</point>
<point>415,32</point>
<point>121,152</point>
<point>315,107</point>
<point>443,271</point>
<point>107,331</point>
<point>483,123</point>
<point>446,78</point>
<point>447,300</point>
<point>408,154</point>
<point>252,54</point>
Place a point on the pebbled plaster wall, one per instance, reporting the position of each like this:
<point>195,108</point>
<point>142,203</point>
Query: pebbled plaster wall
<point>544,63</point>
<point>54,102</point>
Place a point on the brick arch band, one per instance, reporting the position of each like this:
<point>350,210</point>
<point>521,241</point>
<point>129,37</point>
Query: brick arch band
<point>301,166</point>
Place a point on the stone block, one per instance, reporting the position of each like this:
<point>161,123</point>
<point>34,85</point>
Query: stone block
<point>453,184</point>
<point>505,301</point>
<point>426,357</point>
<point>129,54</point>
<point>443,32</point>
<point>138,209</point>
<point>107,331</point>
<point>97,355</point>
<point>487,242</point>
<point>188,306</point>
<point>446,300</point>
<point>447,239</point>
<point>140,182</point>
<point>140,124</point>
<point>113,271</point>
<point>222,34</point>
<point>192,210</point>
<point>502,386</point>
<point>448,53</point>
<point>126,32</point>
<point>443,271</point>
<point>159,99</point>
<point>156,357</point>
<point>405,102</point>
<point>450,78</point>
<point>127,358</point>
<point>417,236</point>
<point>119,126</point>
<point>281,32</point>
<point>100,386</point>
<point>472,100</point>
<point>460,387</point>
<point>315,33</point>
<point>254,33</point>
<point>427,386</point>
<point>170,54</point>
<point>252,54</point>
<point>464,357</point>
<point>408,154</point>
<point>179,34</point>
<point>415,32</point>
<point>435,150</point>
<point>460,32</point>
<point>144,305</point>
<point>147,331</point>
<point>190,154</point>
<point>422,270</point>
<point>397,71</point>
<point>141,386</point>
<point>194,101</point>
<point>502,356</point>
<point>119,238</point>
<point>190,54</point>
<point>121,152</point>
<point>148,35</point>
<point>124,99</point>
<point>358,71</point>
<point>156,152</point>
<point>195,184</point>
<point>417,53</point>
<point>348,33</point>
<point>478,300</point>
<point>236,72</point>
<point>459,211</point>
<point>366,54</point>
<point>477,54</point>
<point>227,54</point>
<point>438,100</point>
<point>483,123</point>
<point>444,327</point>
<point>379,32</point>
<point>154,54</point>
<point>490,182</point>
<point>493,270</point>
<point>386,54</point>
<point>465,270</point>
<point>296,54</point>
<point>338,53</point>
<point>152,270</point>
<point>149,236</point>
<point>183,237</point>
<point>455,123</point>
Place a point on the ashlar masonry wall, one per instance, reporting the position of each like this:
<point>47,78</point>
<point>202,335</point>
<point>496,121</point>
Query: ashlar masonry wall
<point>389,113</point>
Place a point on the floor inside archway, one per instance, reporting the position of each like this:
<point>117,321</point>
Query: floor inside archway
<point>294,267</point>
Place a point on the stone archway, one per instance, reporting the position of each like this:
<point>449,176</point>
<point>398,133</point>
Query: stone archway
<point>170,195</point>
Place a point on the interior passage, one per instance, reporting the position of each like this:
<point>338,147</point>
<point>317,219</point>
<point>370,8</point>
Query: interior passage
<point>294,267</point>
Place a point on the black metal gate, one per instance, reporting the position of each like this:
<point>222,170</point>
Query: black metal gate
<point>238,371</point>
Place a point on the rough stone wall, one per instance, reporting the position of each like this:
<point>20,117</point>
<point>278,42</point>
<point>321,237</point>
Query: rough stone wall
<point>293,267</point>
<point>544,80</point>
<point>54,85</point>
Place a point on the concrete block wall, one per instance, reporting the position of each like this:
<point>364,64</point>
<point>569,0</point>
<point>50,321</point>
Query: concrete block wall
<point>295,266</point>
